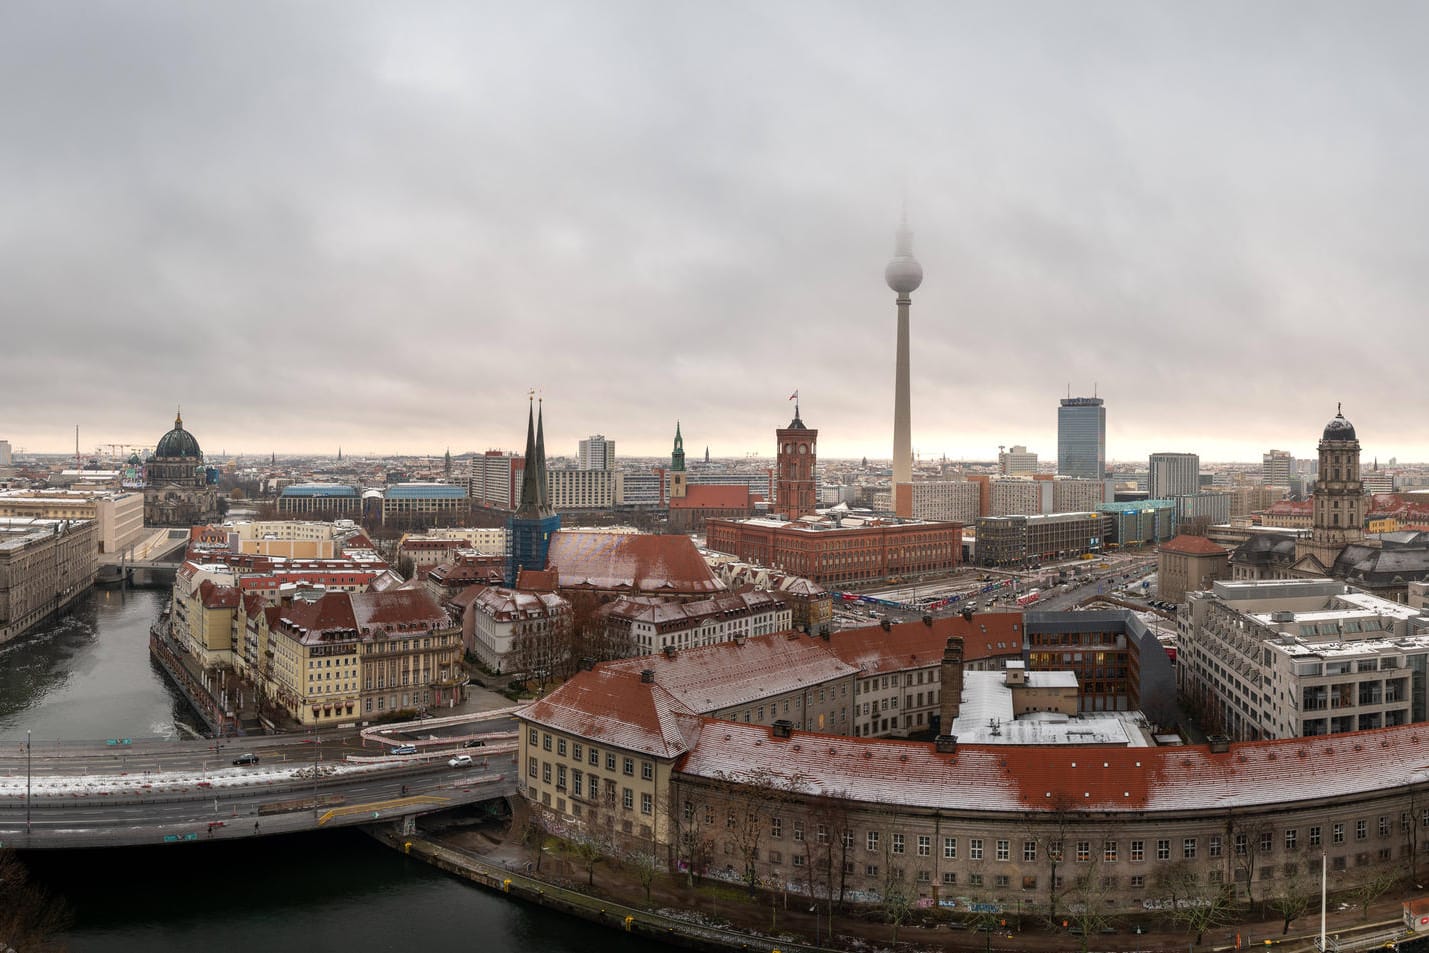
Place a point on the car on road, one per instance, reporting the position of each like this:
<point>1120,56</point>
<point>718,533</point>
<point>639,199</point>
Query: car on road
<point>460,761</point>
<point>475,743</point>
<point>405,749</point>
<point>248,758</point>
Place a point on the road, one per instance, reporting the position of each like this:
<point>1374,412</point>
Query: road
<point>143,790</point>
<point>1108,572</point>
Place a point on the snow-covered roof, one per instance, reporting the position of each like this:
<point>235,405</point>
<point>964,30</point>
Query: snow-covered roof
<point>1009,779</point>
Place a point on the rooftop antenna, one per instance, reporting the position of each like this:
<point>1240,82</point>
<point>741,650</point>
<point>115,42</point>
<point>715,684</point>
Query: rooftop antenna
<point>1094,388</point>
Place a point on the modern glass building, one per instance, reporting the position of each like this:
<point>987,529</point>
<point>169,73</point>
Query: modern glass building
<point>1081,438</point>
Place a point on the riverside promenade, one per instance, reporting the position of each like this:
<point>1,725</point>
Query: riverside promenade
<point>649,924</point>
<point>689,930</point>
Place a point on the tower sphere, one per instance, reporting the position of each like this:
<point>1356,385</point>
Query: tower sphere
<point>903,274</point>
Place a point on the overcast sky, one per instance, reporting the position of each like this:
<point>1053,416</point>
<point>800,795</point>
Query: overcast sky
<point>379,225</point>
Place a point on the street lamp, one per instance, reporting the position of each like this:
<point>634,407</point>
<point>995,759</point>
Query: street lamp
<point>27,783</point>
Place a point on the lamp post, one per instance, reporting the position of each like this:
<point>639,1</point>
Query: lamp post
<point>315,771</point>
<point>27,783</point>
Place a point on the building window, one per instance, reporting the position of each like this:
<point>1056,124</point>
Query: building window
<point>872,840</point>
<point>535,735</point>
<point>1315,836</point>
<point>798,830</point>
<point>950,848</point>
<point>628,767</point>
<point>975,848</point>
<point>1138,850</point>
<point>561,747</point>
<point>1029,851</point>
<point>1084,851</point>
<point>647,770</point>
<point>647,802</point>
<point>1109,852</point>
<point>594,758</point>
<point>531,767</point>
<point>1163,850</point>
<point>546,772</point>
<point>776,827</point>
<point>546,742</point>
<point>1241,847</point>
<point>897,843</point>
<point>925,845</point>
<point>1188,848</point>
<point>627,798</point>
<point>1337,834</point>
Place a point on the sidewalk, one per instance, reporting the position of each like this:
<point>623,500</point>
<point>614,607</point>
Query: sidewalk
<point>787,917</point>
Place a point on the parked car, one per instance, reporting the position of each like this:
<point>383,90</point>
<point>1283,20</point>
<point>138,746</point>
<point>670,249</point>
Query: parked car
<point>460,761</point>
<point>405,749</point>
<point>475,743</point>
<point>247,758</point>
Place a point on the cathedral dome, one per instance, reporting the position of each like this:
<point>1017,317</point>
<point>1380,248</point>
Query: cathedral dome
<point>1339,429</point>
<point>177,442</point>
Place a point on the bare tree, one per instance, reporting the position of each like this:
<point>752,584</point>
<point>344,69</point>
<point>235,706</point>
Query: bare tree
<point>896,902</point>
<point>1191,899</point>
<point>1246,836</point>
<point>1292,894</point>
<point>590,848</point>
<point>30,919</point>
<point>646,865</point>
<point>1049,829</point>
<point>1372,886</point>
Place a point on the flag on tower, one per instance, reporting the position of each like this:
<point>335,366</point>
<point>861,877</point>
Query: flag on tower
<point>794,396</point>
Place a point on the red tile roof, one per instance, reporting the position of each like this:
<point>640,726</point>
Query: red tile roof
<point>218,597</point>
<point>999,778</point>
<point>615,707</point>
<point>713,496</point>
<point>713,677</point>
<point>1193,546</point>
<point>915,644</point>
<point>660,565</point>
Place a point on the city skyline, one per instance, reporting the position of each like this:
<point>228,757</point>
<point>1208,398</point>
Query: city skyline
<point>386,232</point>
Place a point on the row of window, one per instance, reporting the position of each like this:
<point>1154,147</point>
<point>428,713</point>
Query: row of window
<point>1240,843</point>
<point>580,751</point>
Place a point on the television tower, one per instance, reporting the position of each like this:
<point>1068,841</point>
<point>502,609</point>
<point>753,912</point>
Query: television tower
<point>903,275</point>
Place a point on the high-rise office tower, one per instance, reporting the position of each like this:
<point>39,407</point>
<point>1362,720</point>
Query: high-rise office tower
<point>903,275</point>
<point>1016,461</point>
<point>1081,438</point>
<point>1277,467</point>
<point>597,453</point>
<point>1173,475</point>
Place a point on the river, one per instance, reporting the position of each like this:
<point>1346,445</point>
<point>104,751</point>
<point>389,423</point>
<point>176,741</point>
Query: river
<point>88,675</point>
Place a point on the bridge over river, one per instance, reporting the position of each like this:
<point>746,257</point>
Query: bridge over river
<point>122,791</point>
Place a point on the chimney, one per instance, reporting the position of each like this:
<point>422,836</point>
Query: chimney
<point>1220,744</point>
<point>885,625</point>
<point>945,744</point>
<point>648,676</point>
<point>928,620</point>
<point>951,700</point>
<point>669,651</point>
<point>783,727</point>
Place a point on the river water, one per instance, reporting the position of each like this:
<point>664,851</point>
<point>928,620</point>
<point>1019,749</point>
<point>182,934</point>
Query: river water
<point>88,676</point>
